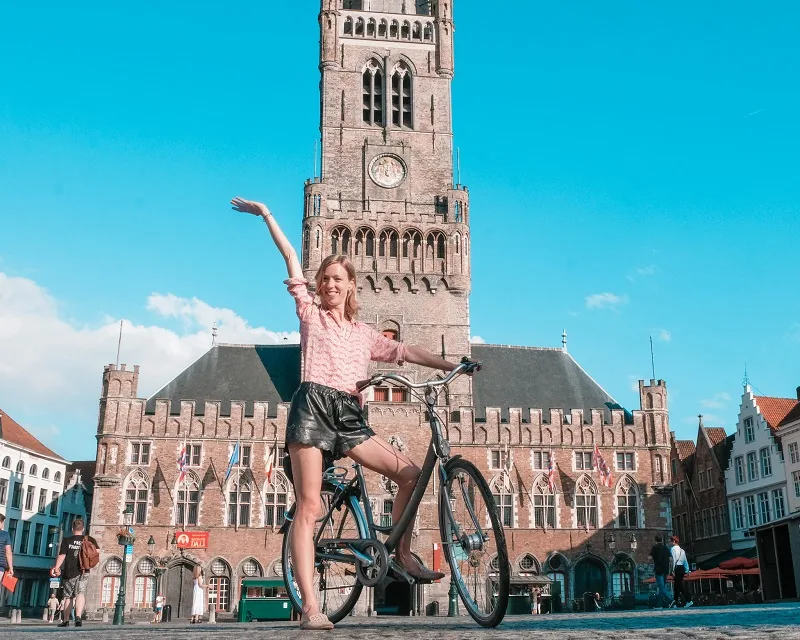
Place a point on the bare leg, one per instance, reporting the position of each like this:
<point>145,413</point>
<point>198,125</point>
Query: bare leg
<point>307,472</point>
<point>67,610</point>
<point>80,601</point>
<point>382,458</point>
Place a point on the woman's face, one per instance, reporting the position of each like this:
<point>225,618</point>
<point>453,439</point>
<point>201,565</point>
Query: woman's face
<point>335,286</point>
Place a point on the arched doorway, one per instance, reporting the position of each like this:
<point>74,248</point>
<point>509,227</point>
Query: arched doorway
<point>178,582</point>
<point>590,576</point>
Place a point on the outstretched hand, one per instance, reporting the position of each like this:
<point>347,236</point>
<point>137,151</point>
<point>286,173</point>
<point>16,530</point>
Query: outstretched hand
<point>249,206</point>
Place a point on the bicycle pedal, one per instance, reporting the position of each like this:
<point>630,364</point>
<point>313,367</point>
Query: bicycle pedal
<point>400,572</point>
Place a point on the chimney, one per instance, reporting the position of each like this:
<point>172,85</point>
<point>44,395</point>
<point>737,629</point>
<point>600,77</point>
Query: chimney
<point>797,391</point>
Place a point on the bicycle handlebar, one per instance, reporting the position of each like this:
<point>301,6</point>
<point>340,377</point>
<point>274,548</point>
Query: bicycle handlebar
<point>466,366</point>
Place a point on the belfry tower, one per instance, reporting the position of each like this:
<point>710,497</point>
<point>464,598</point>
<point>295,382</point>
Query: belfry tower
<point>386,195</point>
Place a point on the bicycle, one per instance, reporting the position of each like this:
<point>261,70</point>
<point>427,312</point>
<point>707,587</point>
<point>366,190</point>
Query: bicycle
<point>349,555</point>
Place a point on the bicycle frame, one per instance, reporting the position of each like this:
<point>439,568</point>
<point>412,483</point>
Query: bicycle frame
<point>356,491</point>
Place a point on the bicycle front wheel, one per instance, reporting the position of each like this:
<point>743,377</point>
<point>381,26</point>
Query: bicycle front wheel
<point>336,586</point>
<point>474,543</point>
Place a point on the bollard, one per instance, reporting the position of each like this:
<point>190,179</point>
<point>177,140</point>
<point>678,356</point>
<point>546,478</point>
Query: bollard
<point>212,614</point>
<point>17,619</point>
<point>45,617</point>
<point>105,616</point>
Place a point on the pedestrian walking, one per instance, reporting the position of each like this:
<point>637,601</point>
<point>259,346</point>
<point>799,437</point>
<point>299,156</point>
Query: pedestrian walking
<point>198,595</point>
<point>680,570</point>
<point>6,550</point>
<point>661,566</point>
<point>76,552</point>
<point>158,608</point>
<point>326,413</point>
<point>52,607</point>
<point>537,600</point>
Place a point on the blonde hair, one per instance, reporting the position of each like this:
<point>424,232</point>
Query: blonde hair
<point>351,304</point>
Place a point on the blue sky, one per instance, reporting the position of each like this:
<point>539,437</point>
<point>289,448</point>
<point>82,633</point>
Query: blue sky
<point>632,167</point>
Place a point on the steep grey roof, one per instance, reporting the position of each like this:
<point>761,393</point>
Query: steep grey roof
<point>523,377</point>
<point>249,373</point>
<point>538,378</point>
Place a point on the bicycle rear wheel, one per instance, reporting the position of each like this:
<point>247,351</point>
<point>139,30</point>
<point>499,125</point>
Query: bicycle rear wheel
<point>336,586</point>
<point>474,543</point>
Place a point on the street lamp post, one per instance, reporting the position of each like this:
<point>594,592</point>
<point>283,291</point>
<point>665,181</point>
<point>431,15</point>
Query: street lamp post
<point>126,538</point>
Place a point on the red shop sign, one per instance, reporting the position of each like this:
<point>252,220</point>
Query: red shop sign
<point>192,539</point>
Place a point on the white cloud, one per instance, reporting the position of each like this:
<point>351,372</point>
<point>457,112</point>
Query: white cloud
<point>477,340</point>
<point>51,368</point>
<point>649,270</point>
<point>606,301</point>
<point>664,335</point>
<point>718,401</point>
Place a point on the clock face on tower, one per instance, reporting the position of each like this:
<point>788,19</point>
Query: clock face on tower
<point>387,170</point>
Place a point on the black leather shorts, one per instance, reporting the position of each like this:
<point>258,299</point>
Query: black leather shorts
<point>326,418</point>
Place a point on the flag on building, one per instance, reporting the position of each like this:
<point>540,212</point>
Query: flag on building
<point>234,460</point>
<point>183,462</point>
<point>272,462</point>
<point>551,471</point>
<point>602,468</point>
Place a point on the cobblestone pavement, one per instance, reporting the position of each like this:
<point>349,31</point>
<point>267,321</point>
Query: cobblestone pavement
<point>779,621</point>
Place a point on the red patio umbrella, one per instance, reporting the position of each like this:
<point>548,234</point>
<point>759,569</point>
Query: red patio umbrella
<point>653,580</point>
<point>739,563</point>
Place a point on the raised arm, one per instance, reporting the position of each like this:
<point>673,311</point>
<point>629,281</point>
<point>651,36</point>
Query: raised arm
<point>416,355</point>
<point>284,246</point>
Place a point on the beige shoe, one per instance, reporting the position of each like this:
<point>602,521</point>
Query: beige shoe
<point>316,622</point>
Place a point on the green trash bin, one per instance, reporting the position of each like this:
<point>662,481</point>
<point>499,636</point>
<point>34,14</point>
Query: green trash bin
<point>519,604</point>
<point>264,599</point>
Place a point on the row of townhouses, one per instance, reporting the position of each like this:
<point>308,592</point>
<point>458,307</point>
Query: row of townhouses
<point>725,487</point>
<point>41,493</point>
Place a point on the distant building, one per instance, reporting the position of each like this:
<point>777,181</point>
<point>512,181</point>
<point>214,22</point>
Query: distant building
<point>789,432</point>
<point>31,486</point>
<point>78,494</point>
<point>756,475</point>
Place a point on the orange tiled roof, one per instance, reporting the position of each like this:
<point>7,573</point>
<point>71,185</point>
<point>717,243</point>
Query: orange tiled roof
<point>685,448</point>
<point>15,433</point>
<point>716,435</point>
<point>775,410</point>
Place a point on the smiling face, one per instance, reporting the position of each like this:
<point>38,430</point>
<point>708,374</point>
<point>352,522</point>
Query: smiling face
<point>335,286</point>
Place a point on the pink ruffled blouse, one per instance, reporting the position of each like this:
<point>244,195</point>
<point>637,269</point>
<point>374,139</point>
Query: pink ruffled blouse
<point>334,355</point>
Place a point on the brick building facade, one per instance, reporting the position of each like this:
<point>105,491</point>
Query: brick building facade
<point>386,196</point>
<point>699,513</point>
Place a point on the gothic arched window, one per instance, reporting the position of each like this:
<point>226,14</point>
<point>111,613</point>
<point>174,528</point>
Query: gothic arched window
<point>405,30</point>
<point>402,96</point>
<point>503,493</point>
<point>544,504</point>
<point>586,503</point>
<point>276,497</point>
<point>388,242</point>
<point>7,462</point>
<point>627,504</point>
<point>371,28</point>
<point>412,244</point>
<point>372,92</point>
<point>428,31</point>
<point>340,240</point>
<point>239,501</point>
<point>137,491</point>
<point>365,243</point>
<point>348,26</point>
<point>187,506</point>
<point>382,28</point>
<point>20,467</point>
<point>393,29</point>
<point>360,27</point>
<point>435,244</point>
<point>416,31</point>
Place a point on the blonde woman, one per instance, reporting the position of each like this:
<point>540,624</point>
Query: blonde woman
<point>198,595</point>
<point>326,413</point>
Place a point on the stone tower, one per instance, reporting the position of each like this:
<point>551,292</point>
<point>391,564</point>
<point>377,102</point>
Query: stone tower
<point>386,195</point>
<point>118,403</point>
<point>653,399</point>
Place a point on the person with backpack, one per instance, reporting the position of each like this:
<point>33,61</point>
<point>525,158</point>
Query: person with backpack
<point>77,555</point>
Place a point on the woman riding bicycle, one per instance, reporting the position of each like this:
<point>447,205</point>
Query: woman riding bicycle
<point>326,413</point>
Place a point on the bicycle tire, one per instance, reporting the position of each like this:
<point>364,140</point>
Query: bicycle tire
<point>478,559</point>
<point>338,611</point>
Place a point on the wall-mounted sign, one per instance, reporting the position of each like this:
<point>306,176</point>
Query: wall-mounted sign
<point>192,539</point>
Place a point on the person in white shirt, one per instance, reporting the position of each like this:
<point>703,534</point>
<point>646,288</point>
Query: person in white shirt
<point>680,568</point>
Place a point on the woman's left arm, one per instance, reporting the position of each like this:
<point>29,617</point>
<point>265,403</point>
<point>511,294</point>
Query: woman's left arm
<point>415,355</point>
